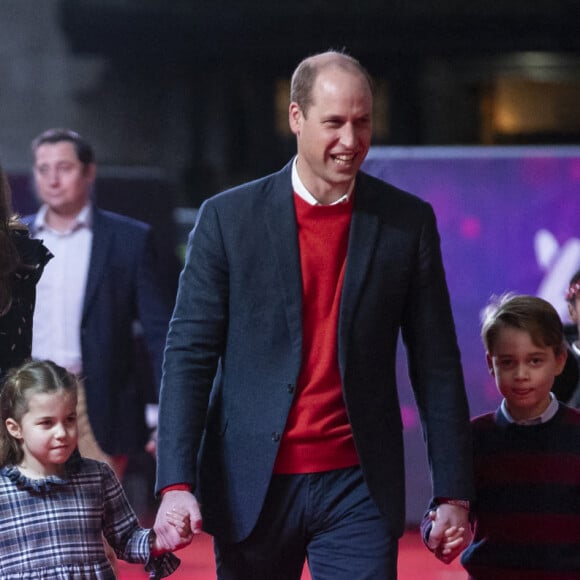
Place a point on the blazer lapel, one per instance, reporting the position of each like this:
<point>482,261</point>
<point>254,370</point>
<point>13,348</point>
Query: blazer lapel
<point>280,221</point>
<point>364,230</point>
<point>102,240</point>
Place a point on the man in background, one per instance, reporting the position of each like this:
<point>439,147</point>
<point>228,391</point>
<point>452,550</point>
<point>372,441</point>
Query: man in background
<point>102,288</point>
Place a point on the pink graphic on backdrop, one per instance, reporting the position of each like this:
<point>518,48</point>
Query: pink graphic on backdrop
<point>409,416</point>
<point>470,227</point>
<point>575,169</point>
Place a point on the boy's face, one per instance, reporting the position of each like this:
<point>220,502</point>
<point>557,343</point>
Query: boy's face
<point>524,372</point>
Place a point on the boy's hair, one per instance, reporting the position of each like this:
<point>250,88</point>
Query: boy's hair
<point>31,378</point>
<point>573,287</point>
<point>531,314</point>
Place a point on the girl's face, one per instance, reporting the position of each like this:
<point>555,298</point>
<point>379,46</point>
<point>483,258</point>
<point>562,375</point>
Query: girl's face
<point>47,432</point>
<point>524,372</point>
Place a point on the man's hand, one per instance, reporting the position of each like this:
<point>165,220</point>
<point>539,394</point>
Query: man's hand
<point>169,536</point>
<point>450,532</point>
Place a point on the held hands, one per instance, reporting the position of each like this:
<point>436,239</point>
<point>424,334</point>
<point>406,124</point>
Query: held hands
<point>178,521</point>
<point>450,532</point>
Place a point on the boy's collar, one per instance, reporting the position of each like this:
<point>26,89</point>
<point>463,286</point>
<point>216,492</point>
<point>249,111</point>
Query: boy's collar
<point>550,411</point>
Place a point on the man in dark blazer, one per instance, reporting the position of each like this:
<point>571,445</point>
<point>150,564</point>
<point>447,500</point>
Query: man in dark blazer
<point>279,411</point>
<point>103,289</point>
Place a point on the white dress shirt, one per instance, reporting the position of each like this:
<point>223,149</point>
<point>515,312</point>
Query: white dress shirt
<point>302,192</point>
<point>550,411</point>
<point>60,292</point>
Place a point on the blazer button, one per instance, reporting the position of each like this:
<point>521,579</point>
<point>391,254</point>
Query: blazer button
<point>275,437</point>
<point>290,388</point>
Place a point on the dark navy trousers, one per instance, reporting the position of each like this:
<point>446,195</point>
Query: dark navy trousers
<point>326,518</point>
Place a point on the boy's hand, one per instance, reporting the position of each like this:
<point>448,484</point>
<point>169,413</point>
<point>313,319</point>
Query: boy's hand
<point>450,533</point>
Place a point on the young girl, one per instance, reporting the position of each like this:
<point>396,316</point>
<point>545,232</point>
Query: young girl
<point>55,506</point>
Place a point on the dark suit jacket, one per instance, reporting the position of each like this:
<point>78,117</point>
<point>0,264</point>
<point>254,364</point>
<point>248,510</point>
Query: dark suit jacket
<point>122,286</point>
<point>237,326</point>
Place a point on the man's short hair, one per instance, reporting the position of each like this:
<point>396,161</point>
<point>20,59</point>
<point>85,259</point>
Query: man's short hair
<point>307,72</point>
<point>83,149</point>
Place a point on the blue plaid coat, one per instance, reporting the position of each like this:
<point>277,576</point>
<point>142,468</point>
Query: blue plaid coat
<point>52,528</point>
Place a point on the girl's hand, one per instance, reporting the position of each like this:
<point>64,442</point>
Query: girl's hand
<point>180,520</point>
<point>176,506</point>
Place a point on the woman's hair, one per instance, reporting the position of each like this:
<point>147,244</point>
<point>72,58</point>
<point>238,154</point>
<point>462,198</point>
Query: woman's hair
<point>9,257</point>
<point>531,314</point>
<point>31,378</point>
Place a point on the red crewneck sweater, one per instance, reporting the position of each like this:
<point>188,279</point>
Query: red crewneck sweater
<point>318,436</point>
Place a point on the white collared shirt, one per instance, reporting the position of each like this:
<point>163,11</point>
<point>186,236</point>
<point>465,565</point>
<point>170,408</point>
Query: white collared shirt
<point>60,292</point>
<point>302,192</point>
<point>550,411</point>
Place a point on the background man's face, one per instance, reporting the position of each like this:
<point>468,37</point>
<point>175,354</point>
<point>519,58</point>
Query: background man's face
<point>62,181</point>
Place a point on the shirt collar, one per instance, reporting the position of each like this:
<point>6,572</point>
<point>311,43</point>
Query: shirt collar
<point>550,411</point>
<point>83,219</point>
<point>302,192</point>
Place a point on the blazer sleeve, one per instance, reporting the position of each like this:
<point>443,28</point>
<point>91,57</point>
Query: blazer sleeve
<point>435,370</point>
<point>195,342</point>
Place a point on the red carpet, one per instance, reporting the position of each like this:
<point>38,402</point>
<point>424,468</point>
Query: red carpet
<point>415,563</point>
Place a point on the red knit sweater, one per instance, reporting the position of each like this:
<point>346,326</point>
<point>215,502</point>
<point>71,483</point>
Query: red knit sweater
<point>318,436</point>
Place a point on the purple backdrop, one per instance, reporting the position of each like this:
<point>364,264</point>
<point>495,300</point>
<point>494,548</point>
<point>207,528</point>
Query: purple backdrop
<point>509,219</point>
